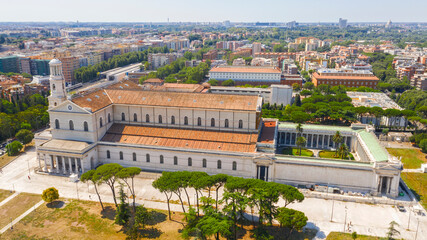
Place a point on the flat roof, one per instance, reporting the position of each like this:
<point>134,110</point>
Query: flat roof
<point>65,145</point>
<point>235,69</point>
<point>182,138</point>
<point>377,151</point>
<point>316,127</point>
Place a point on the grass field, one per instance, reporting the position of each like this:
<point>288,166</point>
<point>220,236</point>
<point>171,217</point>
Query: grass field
<point>5,159</point>
<point>347,236</point>
<point>331,154</point>
<point>411,158</point>
<point>17,206</point>
<point>417,182</point>
<point>295,152</point>
<point>84,220</point>
<point>4,194</point>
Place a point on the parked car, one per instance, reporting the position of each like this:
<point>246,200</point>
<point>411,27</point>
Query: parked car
<point>401,208</point>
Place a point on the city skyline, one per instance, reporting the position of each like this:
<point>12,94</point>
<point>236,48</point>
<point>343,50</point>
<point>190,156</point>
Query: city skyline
<point>191,11</point>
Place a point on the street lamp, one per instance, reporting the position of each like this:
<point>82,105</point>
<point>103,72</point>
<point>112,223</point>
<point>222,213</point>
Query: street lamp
<point>418,224</point>
<point>77,190</point>
<point>409,219</point>
<point>332,210</point>
<point>345,219</point>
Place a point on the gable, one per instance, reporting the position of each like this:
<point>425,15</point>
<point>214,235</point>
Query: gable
<point>69,107</point>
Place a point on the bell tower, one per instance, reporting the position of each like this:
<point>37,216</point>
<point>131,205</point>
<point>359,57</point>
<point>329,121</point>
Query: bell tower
<point>57,84</point>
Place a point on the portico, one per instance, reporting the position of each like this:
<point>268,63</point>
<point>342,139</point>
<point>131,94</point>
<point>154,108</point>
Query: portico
<point>63,157</point>
<point>317,136</point>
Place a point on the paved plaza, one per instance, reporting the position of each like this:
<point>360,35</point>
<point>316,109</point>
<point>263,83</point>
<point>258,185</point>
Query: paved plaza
<point>365,218</point>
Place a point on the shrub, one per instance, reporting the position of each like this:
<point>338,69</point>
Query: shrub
<point>49,195</point>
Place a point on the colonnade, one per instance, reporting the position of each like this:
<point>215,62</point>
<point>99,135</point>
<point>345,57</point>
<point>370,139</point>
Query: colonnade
<point>60,164</point>
<point>314,140</point>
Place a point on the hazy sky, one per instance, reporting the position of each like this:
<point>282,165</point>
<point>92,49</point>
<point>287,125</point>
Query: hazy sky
<point>213,10</point>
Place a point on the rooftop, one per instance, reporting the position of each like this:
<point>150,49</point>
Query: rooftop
<point>122,94</point>
<point>377,151</point>
<point>245,69</point>
<point>316,127</point>
<point>182,138</point>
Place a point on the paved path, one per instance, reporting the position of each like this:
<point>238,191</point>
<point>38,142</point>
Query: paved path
<point>366,218</point>
<point>8,198</point>
<point>8,226</point>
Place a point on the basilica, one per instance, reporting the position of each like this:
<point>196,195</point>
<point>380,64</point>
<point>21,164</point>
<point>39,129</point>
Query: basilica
<point>215,133</point>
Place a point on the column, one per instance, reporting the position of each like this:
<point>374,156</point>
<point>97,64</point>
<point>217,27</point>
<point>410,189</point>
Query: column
<point>320,139</point>
<point>64,169</point>
<point>327,141</point>
<point>51,163</point>
<point>76,166</point>
<point>312,140</point>
<point>82,165</point>
<point>70,170</point>
<point>40,164</point>
<point>45,165</point>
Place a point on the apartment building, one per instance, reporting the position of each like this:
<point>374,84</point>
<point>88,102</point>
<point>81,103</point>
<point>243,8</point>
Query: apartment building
<point>354,78</point>
<point>69,65</point>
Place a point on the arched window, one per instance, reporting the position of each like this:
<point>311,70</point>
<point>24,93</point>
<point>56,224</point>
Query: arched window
<point>185,120</point>
<point>121,155</point>
<point>173,120</point>
<point>226,123</point>
<point>240,123</point>
<point>109,117</point>
<point>234,165</point>
<point>199,121</point>
<point>135,117</point>
<point>100,122</point>
<point>108,154</point>
<point>190,162</point>
<point>71,124</point>
<point>147,118</point>
<point>57,124</point>
<point>147,157</point>
<point>204,163</point>
<point>218,164</point>
<point>162,159</point>
<point>53,86</point>
<point>123,117</point>
<point>160,119</point>
<point>85,127</point>
<point>175,160</point>
<point>134,157</point>
<point>212,122</point>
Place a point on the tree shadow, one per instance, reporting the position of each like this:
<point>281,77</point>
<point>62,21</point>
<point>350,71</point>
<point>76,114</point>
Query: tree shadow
<point>109,213</point>
<point>156,217</point>
<point>56,204</point>
<point>150,233</point>
<point>283,233</point>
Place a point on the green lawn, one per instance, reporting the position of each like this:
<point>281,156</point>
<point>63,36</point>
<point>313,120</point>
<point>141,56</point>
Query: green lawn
<point>411,158</point>
<point>331,154</point>
<point>4,194</point>
<point>417,182</point>
<point>347,236</point>
<point>17,206</point>
<point>295,152</point>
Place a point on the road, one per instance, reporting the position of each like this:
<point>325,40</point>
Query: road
<point>365,218</point>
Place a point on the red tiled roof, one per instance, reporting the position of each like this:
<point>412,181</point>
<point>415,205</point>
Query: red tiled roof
<point>182,138</point>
